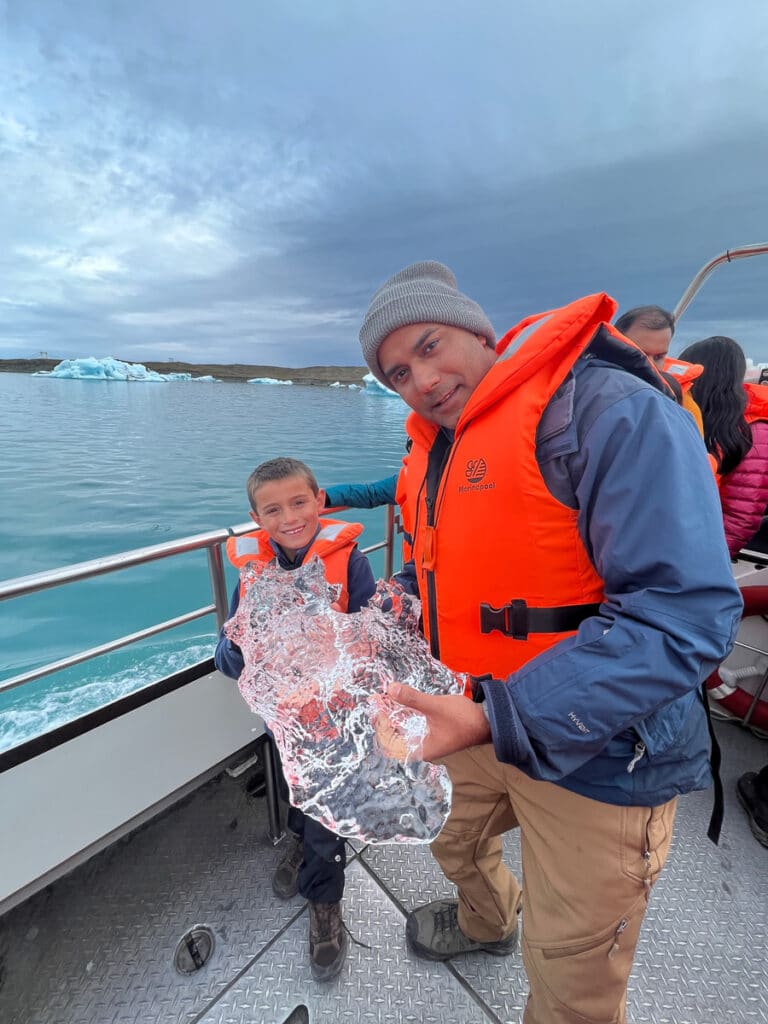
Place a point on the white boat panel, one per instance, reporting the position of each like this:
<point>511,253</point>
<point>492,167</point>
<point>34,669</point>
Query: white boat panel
<point>62,806</point>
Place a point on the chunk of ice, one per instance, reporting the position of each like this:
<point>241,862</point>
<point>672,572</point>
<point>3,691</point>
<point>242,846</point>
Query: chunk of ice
<point>317,677</point>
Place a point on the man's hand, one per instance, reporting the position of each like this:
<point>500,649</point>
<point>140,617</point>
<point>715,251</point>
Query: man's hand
<point>454,722</point>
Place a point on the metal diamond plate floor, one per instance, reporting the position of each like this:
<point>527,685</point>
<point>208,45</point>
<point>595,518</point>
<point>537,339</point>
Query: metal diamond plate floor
<point>97,947</point>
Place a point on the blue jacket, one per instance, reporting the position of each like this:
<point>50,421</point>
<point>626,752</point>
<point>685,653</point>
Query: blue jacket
<point>360,586</point>
<point>633,464</point>
<point>380,492</point>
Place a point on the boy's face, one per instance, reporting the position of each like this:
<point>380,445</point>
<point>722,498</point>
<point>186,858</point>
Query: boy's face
<point>288,510</point>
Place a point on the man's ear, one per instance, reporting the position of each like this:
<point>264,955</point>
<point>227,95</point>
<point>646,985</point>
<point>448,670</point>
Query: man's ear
<point>255,518</point>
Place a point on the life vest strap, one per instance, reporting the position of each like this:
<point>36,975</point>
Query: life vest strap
<point>517,620</point>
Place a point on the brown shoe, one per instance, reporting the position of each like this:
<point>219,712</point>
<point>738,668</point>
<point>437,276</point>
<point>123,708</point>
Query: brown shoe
<point>433,933</point>
<point>327,940</point>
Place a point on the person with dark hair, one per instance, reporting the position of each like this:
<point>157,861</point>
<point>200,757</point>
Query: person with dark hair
<point>569,555</point>
<point>735,418</point>
<point>652,329</point>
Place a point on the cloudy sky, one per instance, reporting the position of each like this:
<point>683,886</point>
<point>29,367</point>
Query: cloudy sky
<point>230,181</point>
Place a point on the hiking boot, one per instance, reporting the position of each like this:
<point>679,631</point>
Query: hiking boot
<point>285,880</point>
<point>433,933</point>
<point>755,806</point>
<point>327,940</point>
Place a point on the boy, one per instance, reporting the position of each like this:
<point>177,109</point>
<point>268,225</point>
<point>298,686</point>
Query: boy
<point>286,503</point>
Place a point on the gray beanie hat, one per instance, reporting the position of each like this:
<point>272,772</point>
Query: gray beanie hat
<point>421,293</point>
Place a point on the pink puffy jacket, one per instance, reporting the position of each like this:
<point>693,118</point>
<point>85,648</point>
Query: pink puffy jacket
<point>744,491</point>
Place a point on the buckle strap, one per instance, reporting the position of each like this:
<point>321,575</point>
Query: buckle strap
<point>517,620</point>
<point>715,761</point>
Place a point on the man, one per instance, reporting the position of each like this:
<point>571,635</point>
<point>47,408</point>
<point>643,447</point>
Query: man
<point>568,547</point>
<point>652,329</point>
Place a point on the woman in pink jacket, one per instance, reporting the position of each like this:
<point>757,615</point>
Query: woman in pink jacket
<point>735,419</point>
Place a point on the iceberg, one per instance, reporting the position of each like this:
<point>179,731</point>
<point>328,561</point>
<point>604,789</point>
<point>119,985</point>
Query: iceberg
<point>91,368</point>
<point>373,386</point>
<point>268,380</point>
<point>318,678</point>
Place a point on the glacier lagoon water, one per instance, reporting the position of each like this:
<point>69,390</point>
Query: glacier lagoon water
<point>94,468</point>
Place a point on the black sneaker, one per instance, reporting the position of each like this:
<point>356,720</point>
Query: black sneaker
<point>285,880</point>
<point>327,940</point>
<point>754,805</point>
<point>433,933</point>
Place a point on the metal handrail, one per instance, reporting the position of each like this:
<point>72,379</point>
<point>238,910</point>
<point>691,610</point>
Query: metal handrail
<point>743,252</point>
<point>210,542</point>
<point>110,563</point>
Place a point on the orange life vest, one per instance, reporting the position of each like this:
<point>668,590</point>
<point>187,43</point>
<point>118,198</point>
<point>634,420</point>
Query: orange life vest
<point>503,551</point>
<point>333,544</point>
<point>684,373</point>
<point>757,403</point>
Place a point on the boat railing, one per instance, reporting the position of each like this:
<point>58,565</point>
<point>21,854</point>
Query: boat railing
<point>212,543</point>
<point>742,252</point>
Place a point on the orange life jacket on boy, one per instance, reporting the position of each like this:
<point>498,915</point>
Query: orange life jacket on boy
<point>333,544</point>
<point>503,560</point>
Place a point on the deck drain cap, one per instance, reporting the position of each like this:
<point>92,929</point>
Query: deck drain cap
<point>194,949</point>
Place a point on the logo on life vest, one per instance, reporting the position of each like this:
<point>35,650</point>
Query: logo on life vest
<point>475,471</point>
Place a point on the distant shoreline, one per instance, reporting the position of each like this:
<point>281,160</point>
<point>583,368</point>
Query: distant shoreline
<point>235,372</point>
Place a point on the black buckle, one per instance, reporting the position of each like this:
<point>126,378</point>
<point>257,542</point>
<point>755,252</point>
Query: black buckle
<point>511,619</point>
<point>474,685</point>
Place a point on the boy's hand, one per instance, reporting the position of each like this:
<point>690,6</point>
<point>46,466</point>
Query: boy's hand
<point>453,722</point>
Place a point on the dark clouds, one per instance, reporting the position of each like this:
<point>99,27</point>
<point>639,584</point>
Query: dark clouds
<point>232,182</point>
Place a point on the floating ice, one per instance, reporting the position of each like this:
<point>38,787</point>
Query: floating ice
<point>268,380</point>
<point>373,386</point>
<point>91,368</point>
<point>317,677</point>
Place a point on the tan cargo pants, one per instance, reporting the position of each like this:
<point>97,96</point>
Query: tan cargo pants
<point>588,868</point>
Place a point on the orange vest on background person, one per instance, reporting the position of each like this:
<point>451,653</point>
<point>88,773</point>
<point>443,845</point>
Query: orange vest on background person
<point>757,402</point>
<point>333,545</point>
<point>499,536</point>
<point>685,374</point>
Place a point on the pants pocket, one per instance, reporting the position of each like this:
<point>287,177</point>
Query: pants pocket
<point>646,836</point>
<point>584,979</point>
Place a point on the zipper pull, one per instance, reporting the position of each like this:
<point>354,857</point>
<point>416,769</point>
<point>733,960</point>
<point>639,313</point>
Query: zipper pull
<point>639,751</point>
<point>430,549</point>
<point>615,947</point>
<point>647,879</point>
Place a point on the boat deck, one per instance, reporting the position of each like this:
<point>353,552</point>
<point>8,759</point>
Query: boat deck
<point>98,946</point>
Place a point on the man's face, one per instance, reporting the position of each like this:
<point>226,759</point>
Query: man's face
<point>435,368</point>
<point>654,342</point>
<point>289,511</point>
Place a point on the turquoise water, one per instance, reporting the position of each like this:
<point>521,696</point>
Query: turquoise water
<point>92,468</point>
